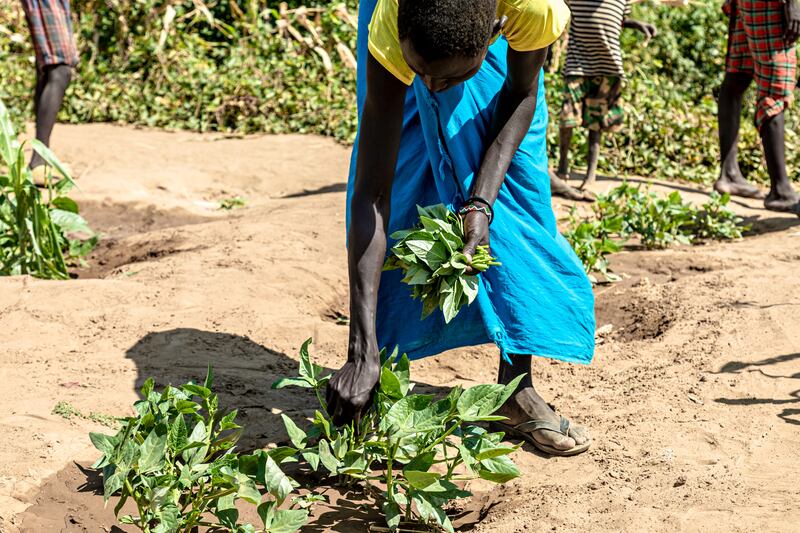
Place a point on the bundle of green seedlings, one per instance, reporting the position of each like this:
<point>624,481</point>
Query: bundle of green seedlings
<point>434,266</point>
<point>408,450</point>
<point>41,232</point>
<point>658,222</point>
<point>176,460</point>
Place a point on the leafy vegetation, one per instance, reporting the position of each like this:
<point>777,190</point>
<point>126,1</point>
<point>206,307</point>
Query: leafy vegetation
<point>658,222</point>
<point>176,461</point>
<point>67,411</point>
<point>434,266</point>
<point>37,229</point>
<point>252,66</point>
<point>408,449</point>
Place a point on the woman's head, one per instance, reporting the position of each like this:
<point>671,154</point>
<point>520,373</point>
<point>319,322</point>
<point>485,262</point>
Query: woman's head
<point>445,41</point>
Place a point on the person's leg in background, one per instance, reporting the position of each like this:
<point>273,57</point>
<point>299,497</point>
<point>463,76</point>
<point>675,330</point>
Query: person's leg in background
<point>51,85</point>
<point>738,77</point>
<point>775,65</point>
<point>569,119</point>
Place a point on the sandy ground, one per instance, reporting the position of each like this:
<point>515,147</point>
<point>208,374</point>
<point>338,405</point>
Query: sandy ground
<point>693,399</point>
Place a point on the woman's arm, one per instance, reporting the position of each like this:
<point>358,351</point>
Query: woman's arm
<point>511,121</point>
<point>351,388</point>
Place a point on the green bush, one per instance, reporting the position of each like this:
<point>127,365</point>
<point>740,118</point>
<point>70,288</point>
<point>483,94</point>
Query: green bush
<point>229,66</point>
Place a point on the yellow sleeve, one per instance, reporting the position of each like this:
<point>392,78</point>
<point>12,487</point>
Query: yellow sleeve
<point>534,24</point>
<point>384,41</point>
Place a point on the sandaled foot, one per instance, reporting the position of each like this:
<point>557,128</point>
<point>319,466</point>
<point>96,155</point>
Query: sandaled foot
<point>559,187</point>
<point>42,173</point>
<point>531,419</point>
<point>738,188</point>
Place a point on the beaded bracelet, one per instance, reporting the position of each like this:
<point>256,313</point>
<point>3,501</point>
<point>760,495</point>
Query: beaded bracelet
<point>470,208</point>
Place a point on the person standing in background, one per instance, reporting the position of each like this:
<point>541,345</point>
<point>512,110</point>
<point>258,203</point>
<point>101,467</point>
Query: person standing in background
<point>50,25</point>
<point>594,76</point>
<point>761,39</point>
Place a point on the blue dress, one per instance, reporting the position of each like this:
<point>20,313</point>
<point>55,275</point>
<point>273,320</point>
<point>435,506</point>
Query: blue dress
<point>540,301</point>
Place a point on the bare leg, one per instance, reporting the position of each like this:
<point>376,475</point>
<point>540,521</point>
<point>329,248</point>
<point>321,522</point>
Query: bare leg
<point>564,142</point>
<point>527,405</point>
<point>782,196</point>
<point>731,180</point>
<point>51,84</point>
<point>593,156</point>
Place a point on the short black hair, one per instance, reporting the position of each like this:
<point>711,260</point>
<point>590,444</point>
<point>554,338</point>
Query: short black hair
<point>447,28</point>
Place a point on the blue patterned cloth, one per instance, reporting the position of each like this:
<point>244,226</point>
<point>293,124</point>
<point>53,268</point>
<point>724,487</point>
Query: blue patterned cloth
<point>539,302</point>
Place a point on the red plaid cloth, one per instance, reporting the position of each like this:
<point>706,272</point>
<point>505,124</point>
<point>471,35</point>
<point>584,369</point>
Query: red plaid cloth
<point>756,46</point>
<point>51,30</point>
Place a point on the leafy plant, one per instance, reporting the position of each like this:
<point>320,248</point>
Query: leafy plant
<point>232,203</point>
<point>36,229</point>
<point>408,449</point>
<point>627,211</point>
<point>176,460</point>
<point>434,266</point>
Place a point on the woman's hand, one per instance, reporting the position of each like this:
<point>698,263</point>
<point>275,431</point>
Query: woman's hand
<point>476,231</point>
<point>351,389</point>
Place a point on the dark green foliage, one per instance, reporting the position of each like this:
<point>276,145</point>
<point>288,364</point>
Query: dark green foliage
<point>175,460</point>
<point>213,66</point>
<point>410,449</point>
<point>434,266</point>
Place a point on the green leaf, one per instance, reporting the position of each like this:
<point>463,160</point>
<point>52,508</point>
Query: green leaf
<point>272,477</point>
<point>469,287</point>
<point>327,458</point>
<point>392,513</point>
<point>434,254</point>
<point>312,458</point>
<point>479,402</point>
<point>226,511</point>
<point>497,451</point>
<point>105,443</point>
<point>421,480</point>
<point>247,490</point>
<point>410,414</point>
<point>209,377</point>
<point>308,369</point>
<point>178,434</point>
<point>288,520</point>
<point>196,390</point>
<point>151,455</point>
<point>403,374</point>
<point>296,435</point>
<point>69,222</point>
<point>498,469</point>
<point>227,421</point>
<point>168,518</point>
<point>390,384</point>
<point>291,382</point>
<point>66,204</point>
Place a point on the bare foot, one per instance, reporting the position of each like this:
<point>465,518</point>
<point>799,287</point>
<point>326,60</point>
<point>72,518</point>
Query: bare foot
<point>737,186</point>
<point>559,187</point>
<point>527,405</point>
<point>786,201</point>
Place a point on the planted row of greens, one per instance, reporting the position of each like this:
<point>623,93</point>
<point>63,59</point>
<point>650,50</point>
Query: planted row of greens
<point>176,460</point>
<point>657,221</point>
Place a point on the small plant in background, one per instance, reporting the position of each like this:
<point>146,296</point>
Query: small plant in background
<point>175,459</point>
<point>409,450</point>
<point>658,222</point>
<point>37,229</point>
<point>431,259</point>
<point>232,203</point>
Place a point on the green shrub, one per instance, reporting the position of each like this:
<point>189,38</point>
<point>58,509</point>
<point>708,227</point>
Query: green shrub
<point>37,229</point>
